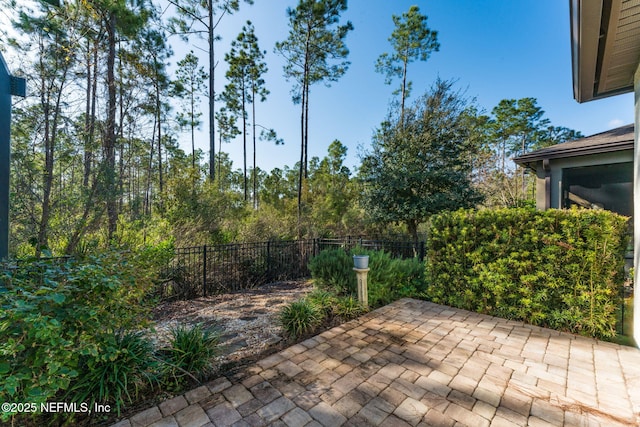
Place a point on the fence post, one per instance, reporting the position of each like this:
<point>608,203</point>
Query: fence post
<point>269,261</point>
<point>422,250</point>
<point>204,270</point>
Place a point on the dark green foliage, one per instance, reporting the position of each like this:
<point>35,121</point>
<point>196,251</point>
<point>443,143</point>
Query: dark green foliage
<point>300,318</point>
<point>388,279</point>
<point>561,269</point>
<point>421,160</point>
<point>333,270</point>
<point>190,353</point>
<point>58,319</point>
<point>124,367</point>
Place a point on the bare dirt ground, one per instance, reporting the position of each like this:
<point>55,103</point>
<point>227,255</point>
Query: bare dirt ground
<point>246,321</point>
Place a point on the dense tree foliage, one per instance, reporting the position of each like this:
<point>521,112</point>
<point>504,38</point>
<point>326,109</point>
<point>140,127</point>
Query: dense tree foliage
<point>516,127</point>
<point>95,159</point>
<point>420,164</point>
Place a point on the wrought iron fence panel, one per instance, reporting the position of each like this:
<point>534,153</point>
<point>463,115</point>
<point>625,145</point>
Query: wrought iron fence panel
<point>208,270</point>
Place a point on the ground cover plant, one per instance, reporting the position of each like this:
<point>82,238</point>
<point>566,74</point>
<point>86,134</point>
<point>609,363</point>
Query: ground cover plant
<point>189,354</point>
<point>69,333</point>
<point>318,310</point>
<point>560,268</point>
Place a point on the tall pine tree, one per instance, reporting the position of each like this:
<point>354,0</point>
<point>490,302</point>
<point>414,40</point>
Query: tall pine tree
<point>315,51</point>
<point>411,39</point>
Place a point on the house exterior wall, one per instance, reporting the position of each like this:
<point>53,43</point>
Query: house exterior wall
<point>542,203</point>
<point>636,208</point>
<point>551,197</point>
<point>5,126</point>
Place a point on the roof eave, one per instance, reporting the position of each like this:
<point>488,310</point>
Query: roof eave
<point>585,35</point>
<point>526,159</point>
<point>591,23</point>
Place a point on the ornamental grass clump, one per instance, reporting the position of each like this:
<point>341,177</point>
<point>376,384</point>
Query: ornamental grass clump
<point>190,353</point>
<point>300,318</point>
<point>124,368</point>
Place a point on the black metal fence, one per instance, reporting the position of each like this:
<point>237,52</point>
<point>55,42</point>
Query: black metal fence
<point>207,270</point>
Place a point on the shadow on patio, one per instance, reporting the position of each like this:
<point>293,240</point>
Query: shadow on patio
<point>417,363</point>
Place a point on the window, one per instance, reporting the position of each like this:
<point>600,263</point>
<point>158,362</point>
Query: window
<point>607,187</point>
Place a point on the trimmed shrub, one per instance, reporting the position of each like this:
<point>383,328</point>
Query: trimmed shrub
<point>558,268</point>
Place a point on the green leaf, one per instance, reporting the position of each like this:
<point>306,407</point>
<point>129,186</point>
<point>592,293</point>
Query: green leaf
<point>58,298</point>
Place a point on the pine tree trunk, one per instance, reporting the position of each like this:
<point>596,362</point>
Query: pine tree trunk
<point>110,135</point>
<point>244,140</point>
<point>254,174</point>
<point>212,95</point>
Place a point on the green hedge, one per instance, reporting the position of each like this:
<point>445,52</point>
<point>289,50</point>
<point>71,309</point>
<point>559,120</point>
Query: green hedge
<point>389,278</point>
<point>560,268</point>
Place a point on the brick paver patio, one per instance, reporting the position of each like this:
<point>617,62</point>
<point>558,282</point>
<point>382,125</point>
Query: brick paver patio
<point>418,363</point>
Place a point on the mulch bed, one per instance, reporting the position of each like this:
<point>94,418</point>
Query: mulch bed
<point>246,321</point>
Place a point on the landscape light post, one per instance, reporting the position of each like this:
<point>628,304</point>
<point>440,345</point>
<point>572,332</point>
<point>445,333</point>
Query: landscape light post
<point>361,267</point>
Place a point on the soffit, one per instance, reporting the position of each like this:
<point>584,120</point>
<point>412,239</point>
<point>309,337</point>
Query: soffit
<point>605,47</point>
<point>621,52</point>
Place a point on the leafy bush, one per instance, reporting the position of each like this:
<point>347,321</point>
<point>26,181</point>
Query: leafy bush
<point>390,279</point>
<point>56,317</point>
<point>125,365</point>
<point>558,268</point>
<point>190,353</point>
<point>332,270</point>
<point>299,318</point>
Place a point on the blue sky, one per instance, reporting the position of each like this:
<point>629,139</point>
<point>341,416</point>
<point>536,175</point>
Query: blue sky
<point>494,49</point>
